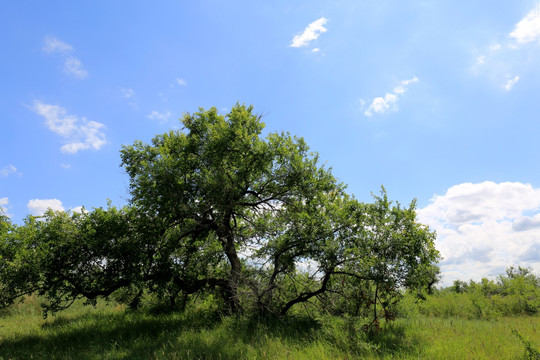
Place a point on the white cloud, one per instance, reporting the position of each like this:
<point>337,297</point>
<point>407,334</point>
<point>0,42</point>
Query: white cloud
<point>387,103</point>
<point>181,82</point>
<point>3,202</point>
<point>316,50</point>
<point>309,267</point>
<point>73,148</point>
<point>73,66</point>
<point>79,134</point>
<point>78,209</point>
<point>496,64</point>
<point>37,207</point>
<point>481,60</point>
<point>8,170</point>
<point>400,89</point>
<point>490,54</point>
<point>311,32</point>
<point>410,81</point>
<point>528,29</point>
<point>527,223</point>
<point>510,55</point>
<point>484,228</point>
<point>53,45</point>
<point>162,117</point>
<point>381,104</point>
<point>509,84</point>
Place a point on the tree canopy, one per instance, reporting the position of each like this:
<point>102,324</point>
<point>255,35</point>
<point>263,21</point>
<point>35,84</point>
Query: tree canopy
<point>217,208</point>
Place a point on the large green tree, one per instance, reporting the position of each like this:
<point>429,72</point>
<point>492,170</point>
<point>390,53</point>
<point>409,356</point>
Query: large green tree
<point>217,179</point>
<point>217,206</point>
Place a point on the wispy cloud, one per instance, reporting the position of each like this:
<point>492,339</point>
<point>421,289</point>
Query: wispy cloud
<point>528,29</point>
<point>484,228</point>
<point>3,203</point>
<point>509,55</point>
<point>77,133</point>
<point>495,62</point>
<point>72,65</point>
<point>381,104</point>
<point>128,93</point>
<point>53,45</point>
<point>388,102</point>
<point>161,117</point>
<point>509,84</point>
<point>181,82</point>
<point>38,207</point>
<point>481,60</point>
<point>8,170</point>
<point>311,32</point>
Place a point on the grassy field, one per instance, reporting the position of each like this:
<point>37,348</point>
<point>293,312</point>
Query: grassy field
<point>110,332</point>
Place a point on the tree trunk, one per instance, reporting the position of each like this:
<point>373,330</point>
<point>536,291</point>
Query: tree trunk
<point>231,293</point>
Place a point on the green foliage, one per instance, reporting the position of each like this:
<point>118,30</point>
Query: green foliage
<point>219,211</point>
<point>515,293</point>
<point>5,224</point>
<point>387,251</point>
<point>67,256</point>
<point>219,190</point>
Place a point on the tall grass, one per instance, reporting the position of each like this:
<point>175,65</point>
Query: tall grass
<point>111,332</point>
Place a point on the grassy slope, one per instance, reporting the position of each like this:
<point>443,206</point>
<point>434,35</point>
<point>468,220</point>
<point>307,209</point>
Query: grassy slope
<point>108,332</point>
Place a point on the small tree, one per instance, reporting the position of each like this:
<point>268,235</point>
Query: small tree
<point>385,252</point>
<point>68,256</point>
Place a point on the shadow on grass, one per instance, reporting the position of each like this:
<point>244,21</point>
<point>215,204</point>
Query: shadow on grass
<point>145,336</point>
<point>393,340</point>
<point>195,335</point>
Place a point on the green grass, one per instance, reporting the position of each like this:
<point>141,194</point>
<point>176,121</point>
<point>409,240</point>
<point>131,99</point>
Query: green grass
<point>110,332</point>
<point>457,338</point>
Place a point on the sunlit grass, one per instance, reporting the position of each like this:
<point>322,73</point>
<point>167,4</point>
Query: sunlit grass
<point>458,338</point>
<point>111,332</point>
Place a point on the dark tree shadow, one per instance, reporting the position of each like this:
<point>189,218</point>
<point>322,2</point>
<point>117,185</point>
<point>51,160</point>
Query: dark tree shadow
<point>128,336</point>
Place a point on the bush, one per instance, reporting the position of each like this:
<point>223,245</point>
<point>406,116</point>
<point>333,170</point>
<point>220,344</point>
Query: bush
<point>515,293</point>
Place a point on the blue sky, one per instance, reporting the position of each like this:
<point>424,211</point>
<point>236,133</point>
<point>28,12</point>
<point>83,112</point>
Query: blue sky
<point>435,100</point>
